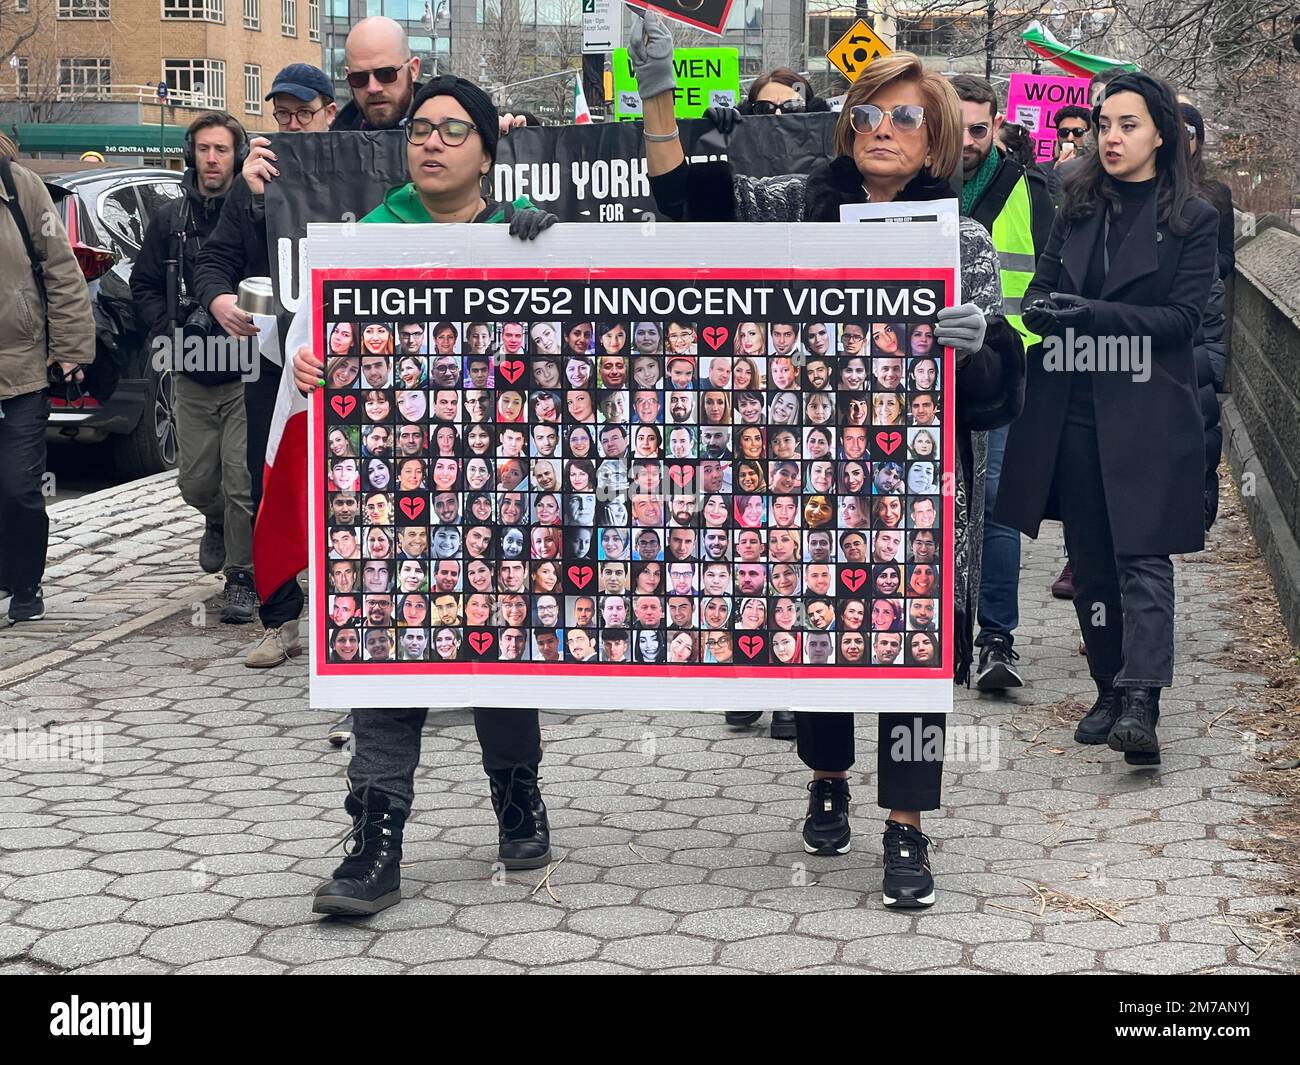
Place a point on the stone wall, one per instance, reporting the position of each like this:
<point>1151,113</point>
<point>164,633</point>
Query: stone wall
<point>1262,420</point>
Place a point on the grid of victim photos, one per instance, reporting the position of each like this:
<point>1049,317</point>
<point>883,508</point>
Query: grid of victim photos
<point>746,494</point>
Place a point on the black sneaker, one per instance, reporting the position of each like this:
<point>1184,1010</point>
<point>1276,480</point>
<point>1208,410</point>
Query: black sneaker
<point>341,733</point>
<point>212,548</point>
<point>908,883</point>
<point>783,727</point>
<point>1097,723</point>
<point>239,606</point>
<point>742,718</point>
<point>996,673</point>
<point>826,825</point>
<point>1134,731</point>
<point>28,606</point>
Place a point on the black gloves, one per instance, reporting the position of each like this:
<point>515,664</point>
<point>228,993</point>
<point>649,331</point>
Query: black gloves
<point>724,119</point>
<point>527,224</point>
<point>1064,312</point>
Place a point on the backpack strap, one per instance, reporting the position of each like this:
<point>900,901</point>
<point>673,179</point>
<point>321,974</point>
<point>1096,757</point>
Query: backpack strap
<point>38,267</point>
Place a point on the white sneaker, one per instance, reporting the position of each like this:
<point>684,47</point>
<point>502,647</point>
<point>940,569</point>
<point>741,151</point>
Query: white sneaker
<point>275,646</point>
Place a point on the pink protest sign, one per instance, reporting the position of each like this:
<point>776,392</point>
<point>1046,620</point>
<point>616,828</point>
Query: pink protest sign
<point>1033,99</point>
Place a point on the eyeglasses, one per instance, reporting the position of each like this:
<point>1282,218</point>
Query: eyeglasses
<point>792,106</point>
<point>1077,132</point>
<point>453,131</point>
<point>303,114</point>
<point>866,118</point>
<point>359,79</point>
<point>979,130</point>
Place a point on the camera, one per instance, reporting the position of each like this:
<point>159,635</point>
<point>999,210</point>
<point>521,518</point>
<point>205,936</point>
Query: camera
<point>198,323</point>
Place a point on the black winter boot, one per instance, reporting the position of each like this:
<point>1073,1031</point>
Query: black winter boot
<point>370,878</point>
<point>524,836</point>
<point>1134,732</point>
<point>1097,723</point>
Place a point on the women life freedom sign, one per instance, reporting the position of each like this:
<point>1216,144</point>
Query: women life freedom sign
<point>693,468</point>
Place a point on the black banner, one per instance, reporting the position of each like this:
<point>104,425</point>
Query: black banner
<point>589,173</point>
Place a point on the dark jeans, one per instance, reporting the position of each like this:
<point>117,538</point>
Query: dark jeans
<point>909,758</point>
<point>24,525</point>
<point>286,603</point>
<point>1125,603</point>
<point>386,747</point>
<point>999,605</point>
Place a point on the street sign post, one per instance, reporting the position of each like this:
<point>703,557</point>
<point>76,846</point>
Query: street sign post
<point>853,52</point>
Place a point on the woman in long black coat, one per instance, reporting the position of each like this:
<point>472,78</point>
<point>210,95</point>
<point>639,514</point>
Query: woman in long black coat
<point>1111,440</point>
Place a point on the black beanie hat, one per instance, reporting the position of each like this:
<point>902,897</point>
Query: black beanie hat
<point>1193,118</point>
<point>478,105</point>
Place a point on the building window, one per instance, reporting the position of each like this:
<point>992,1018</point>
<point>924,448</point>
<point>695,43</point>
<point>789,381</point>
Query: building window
<point>22,77</point>
<point>84,79</point>
<point>252,14</point>
<point>195,10</point>
<point>313,20</point>
<point>252,89</point>
<point>289,18</point>
<point>197,83</point>
<point>20,6</point>
<point>83,8</point>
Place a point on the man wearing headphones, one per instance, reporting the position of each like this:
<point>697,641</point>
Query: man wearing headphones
<point>212,429</point>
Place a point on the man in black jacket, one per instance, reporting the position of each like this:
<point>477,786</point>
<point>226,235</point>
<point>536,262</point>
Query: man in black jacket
<point>382,74</point>
<point>302,100</point>
<point>211,427</point>
<point>1015,205</point>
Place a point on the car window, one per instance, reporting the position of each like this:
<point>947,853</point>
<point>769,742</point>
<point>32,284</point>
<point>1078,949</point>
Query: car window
<point>155,195</point>
<point>121,212</point>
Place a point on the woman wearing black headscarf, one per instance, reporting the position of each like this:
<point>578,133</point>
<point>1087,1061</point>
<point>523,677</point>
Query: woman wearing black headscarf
<point>1117,453</point>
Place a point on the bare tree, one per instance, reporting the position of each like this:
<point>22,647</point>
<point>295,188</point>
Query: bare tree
<point>45,97</point>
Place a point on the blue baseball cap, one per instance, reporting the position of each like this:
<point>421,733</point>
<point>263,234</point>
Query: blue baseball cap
<point>303,81</point>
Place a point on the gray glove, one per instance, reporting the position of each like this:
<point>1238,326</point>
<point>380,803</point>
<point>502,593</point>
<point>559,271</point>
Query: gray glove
<point>961,328</point>
<point>651,53</point>
<point>527,224</point>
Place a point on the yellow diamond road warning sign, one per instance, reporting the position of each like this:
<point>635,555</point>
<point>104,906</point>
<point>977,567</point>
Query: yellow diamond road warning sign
<point>852,53</point>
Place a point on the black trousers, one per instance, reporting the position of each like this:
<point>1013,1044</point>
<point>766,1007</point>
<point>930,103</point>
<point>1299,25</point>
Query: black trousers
<point>1125,603</point>
<point>909,756</point>
<point>24,525</point>
<point>286,603</point>
<point>386,747</point>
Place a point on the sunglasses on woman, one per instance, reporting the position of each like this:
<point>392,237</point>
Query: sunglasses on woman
<point>866,118</point>
<point>359,79</point>
<point>453,131</point>
<point>792,106</point>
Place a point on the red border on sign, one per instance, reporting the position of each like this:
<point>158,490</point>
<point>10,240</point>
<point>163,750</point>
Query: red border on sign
<point>679,16</point>
<point>316,507</point>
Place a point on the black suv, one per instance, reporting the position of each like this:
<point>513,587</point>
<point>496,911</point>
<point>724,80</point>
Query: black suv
<point>106,212</point>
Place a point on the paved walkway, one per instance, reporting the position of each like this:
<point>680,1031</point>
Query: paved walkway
<point>119,560</point>
<point>196,844</point>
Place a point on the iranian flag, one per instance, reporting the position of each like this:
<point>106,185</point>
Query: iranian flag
<point>280,532</point>
<point>581,112</point>
<point>1041,40</point>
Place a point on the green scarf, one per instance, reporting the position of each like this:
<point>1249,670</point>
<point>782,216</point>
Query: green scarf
<point>974,187</point>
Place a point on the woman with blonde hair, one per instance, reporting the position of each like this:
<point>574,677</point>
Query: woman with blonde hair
<point>886,409</point>
<point>898,137</point>
<point>751,339</point>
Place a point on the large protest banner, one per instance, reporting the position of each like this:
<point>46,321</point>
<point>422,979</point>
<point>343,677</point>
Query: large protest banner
<point>1034,99</point>
<point>706,77</point>
<point>589,173</point>
<point>685,468</point>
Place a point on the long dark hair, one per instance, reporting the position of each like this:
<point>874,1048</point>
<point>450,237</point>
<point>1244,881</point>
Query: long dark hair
<point>1088,184</point>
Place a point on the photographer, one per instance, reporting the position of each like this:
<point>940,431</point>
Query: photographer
<point>212,429</point>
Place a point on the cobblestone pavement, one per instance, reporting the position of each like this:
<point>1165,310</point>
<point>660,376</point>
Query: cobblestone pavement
<point>196,845</point>
<point>119,560</point>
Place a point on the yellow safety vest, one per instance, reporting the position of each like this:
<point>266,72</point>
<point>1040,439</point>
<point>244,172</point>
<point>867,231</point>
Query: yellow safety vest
<point>1013,236</point>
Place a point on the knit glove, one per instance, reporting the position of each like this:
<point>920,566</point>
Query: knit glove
<point>651,53</point>
<point>527,224</point>
<point>961,328</point>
